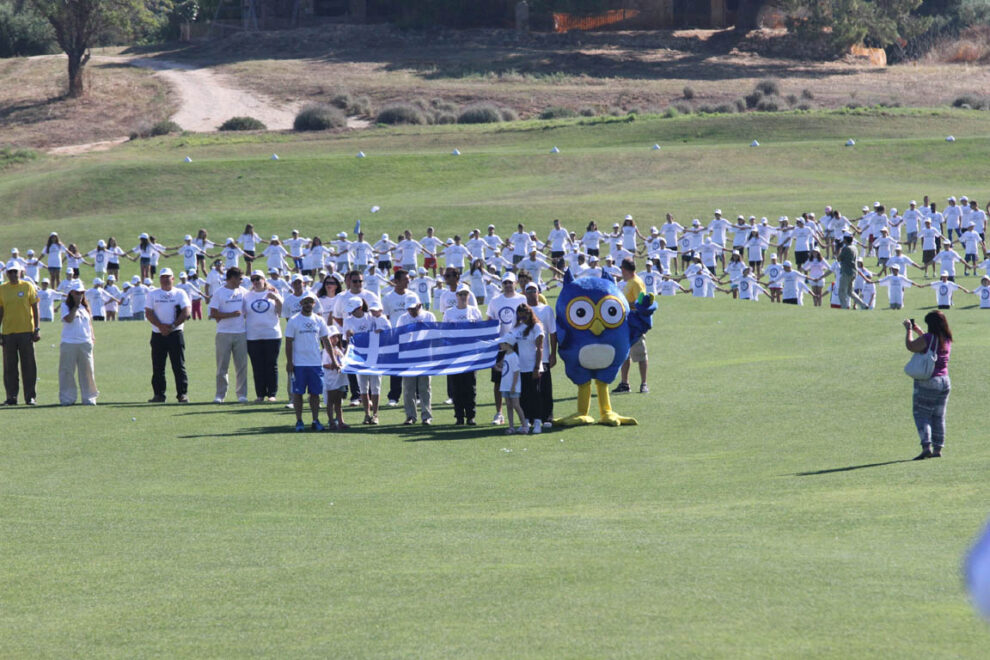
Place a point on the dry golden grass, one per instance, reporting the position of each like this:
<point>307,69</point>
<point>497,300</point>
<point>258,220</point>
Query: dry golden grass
<point>530,77</point>
<point>35,113</point>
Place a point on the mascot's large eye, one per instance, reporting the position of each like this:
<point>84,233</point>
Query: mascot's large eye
<point>580,313</point>
<point>611,311</point>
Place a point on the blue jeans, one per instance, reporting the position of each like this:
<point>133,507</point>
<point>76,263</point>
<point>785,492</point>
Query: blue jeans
<point>928,407</point>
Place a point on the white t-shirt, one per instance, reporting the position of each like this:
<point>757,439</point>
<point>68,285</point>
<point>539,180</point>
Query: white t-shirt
<point>189,253</point>
<point>46,303</point>
<point>984,294</point>
<point>668,288</point>
<point>424,316</point>
<point>504,310</point>
<point>410,249</point>
<point>557,238</point>
<point>526,345</point>
<point>773,273</point>
<point>261,321</point>
<point>510,367</point>
<point>455,255</point>
<point>100,259</point>
<point>97,299</point>
<point>227,300</point>
<point>651,279</point>
<point>670,231</point>
<point>164,303</point>
<point>944,291</point>
<point>789,282</point>
<point>492,241</point>
<point>290,304</point>
<point>521,243</point>
<point>468,314</point>
<point>247,241</point>
<point>80,330</point>
<point>296,246</point>
<point>421,286</point>
<point>927,236</point>
<point>275,254</point>
<point>305,333</point>
<point>947,260</point>
<point>895,287</point>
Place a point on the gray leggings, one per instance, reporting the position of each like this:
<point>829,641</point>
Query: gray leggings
<point>928,407</point>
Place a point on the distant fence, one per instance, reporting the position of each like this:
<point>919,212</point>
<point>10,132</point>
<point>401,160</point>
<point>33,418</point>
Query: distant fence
<point>876,56</point>
<point>567,22</point>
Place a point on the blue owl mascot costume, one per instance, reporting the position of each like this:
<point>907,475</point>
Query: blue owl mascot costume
<point>595,328</point>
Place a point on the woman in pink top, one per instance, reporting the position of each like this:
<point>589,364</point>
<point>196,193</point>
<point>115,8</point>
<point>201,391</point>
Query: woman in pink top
<point>932,395</point>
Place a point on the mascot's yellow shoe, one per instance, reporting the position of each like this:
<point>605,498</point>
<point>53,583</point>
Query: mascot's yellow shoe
<point>608,417</point>
<point>577,419</point>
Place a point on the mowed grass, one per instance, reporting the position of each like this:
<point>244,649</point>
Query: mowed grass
<point>763,508</point>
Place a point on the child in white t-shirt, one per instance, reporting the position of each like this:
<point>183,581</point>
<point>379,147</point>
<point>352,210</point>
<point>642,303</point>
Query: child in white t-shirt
<point>511,386</point>
<point>334,382</point>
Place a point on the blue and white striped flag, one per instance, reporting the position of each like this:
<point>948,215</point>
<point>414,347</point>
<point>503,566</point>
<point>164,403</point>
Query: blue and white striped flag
<point>424,349</point>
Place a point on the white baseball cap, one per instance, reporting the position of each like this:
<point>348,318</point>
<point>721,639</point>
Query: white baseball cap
<point>30,253</point>
<point>142,235</point>
<point>14,265</point>
<point>165,272</point>
<point>718,211</point>
<point>509,277</point>
<point>274,237</point>
<point>257,273</point>
<point>97,281</point>
<point>182,275</point>
<point>309,295</point>
<point>76,285</point>
<point>421,271</point>
<point>788,264</point>
<point>111,278</point>
<point>272,269</point>
<point>147,281</point>
<point>101,243</point>
<point>135,280</point>
<point>355,305</point>
<point>628,217</point>
<point>187,237</point>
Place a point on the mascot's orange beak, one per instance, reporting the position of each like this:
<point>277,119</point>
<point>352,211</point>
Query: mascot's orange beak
<point>597,327</point>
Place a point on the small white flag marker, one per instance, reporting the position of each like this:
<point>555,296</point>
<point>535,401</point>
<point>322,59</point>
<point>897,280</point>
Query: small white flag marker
<point>850,142</point>
<point>360,154</point>
<point>274,157</point>
<point>188,159</point>
<point>555,150</point>
<point>376,209</point>
<point>950,139</point>
<point>754,143</point>
<point>656,147</point>
<point>455,152</point>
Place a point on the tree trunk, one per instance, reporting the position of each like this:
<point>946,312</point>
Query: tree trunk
<point>748,14</point>
<point>77,61</point>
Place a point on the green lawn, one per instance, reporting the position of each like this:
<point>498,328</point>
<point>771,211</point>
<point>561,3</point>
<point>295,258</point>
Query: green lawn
<point>762,509</point>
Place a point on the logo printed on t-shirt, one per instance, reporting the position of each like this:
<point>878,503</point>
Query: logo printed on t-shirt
<point>261,305</point>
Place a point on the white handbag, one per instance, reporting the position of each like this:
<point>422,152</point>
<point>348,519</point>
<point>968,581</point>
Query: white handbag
<point>922,365</point>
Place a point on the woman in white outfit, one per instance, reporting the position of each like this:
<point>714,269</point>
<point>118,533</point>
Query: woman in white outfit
<point>76,353</point>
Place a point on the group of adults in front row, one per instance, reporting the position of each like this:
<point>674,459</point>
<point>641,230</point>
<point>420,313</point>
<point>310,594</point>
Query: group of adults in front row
<point>320,321</point>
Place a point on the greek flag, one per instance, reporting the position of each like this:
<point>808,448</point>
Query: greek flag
<point>424,349</point>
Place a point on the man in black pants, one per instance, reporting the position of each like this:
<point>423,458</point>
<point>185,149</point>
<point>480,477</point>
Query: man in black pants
<point>167,308</point>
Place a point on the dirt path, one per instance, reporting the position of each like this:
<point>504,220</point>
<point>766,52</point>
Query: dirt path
<point>209,99</point>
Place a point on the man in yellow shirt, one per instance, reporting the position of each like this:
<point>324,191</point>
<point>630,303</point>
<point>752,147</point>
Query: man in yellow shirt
<point>19,330</point>
<point>633,286</point>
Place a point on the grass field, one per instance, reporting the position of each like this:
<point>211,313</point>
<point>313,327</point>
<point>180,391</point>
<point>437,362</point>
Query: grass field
<point>764,507</point>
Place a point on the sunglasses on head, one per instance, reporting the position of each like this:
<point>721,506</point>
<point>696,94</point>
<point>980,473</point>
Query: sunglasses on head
<point>255,279</point>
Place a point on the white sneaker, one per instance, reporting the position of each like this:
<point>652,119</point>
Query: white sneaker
<point>218,399</point>
<point>449,402</point>
<point>537,426</point>
<point>547,426</point>
<point>524,429</point>
<point>498,420</point>
<point>392,403</point>
<point>242,399</point>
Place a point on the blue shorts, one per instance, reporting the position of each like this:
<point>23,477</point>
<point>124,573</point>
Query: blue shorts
<point>307,378</point>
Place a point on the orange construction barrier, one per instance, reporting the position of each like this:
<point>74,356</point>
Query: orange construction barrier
<point>566,22</point>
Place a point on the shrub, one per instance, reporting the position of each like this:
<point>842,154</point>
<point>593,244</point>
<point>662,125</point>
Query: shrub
<point>421,103</point>
<point>725,108</point>
<point>508,114</point>
<point>10,156</point>
<point>615,111</point>
<point>791,99</point>
<point>740,105</point>
<point>768,87</point>
<point>688,92</point>
<point>401,113</point>
<point>853,105</point>
<point>684,108</point>
<point>479,113</point>
<point>968,100</point>
<point>670,112</point>
<point>753,99</point>
<point>557,112</point>
<point>441,105</point>
<point>360,106</point>
<point>243,124</point>
<point>342,100</point>
<point>804,106</point>
<point>319,117</point>
<point>445,118</point>
<point>587,112</point>
<point>147,129</point>
<point>707,109</point>
<point>807,94</point>
<point>634,111</point>
<point>768,104</point>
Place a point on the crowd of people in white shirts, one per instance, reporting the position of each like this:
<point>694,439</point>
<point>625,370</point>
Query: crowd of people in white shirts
<point>744,259</point>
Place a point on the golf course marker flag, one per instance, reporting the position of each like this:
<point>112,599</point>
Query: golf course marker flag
<point>950,139</point>
<point>850,142</point>
<point>555,150</point>
<point>274,157</point>
<point>455,152</point>
<point>656,147</point>
<point>754,143</point>
<point>187,159</point>
<point>360,154</point>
